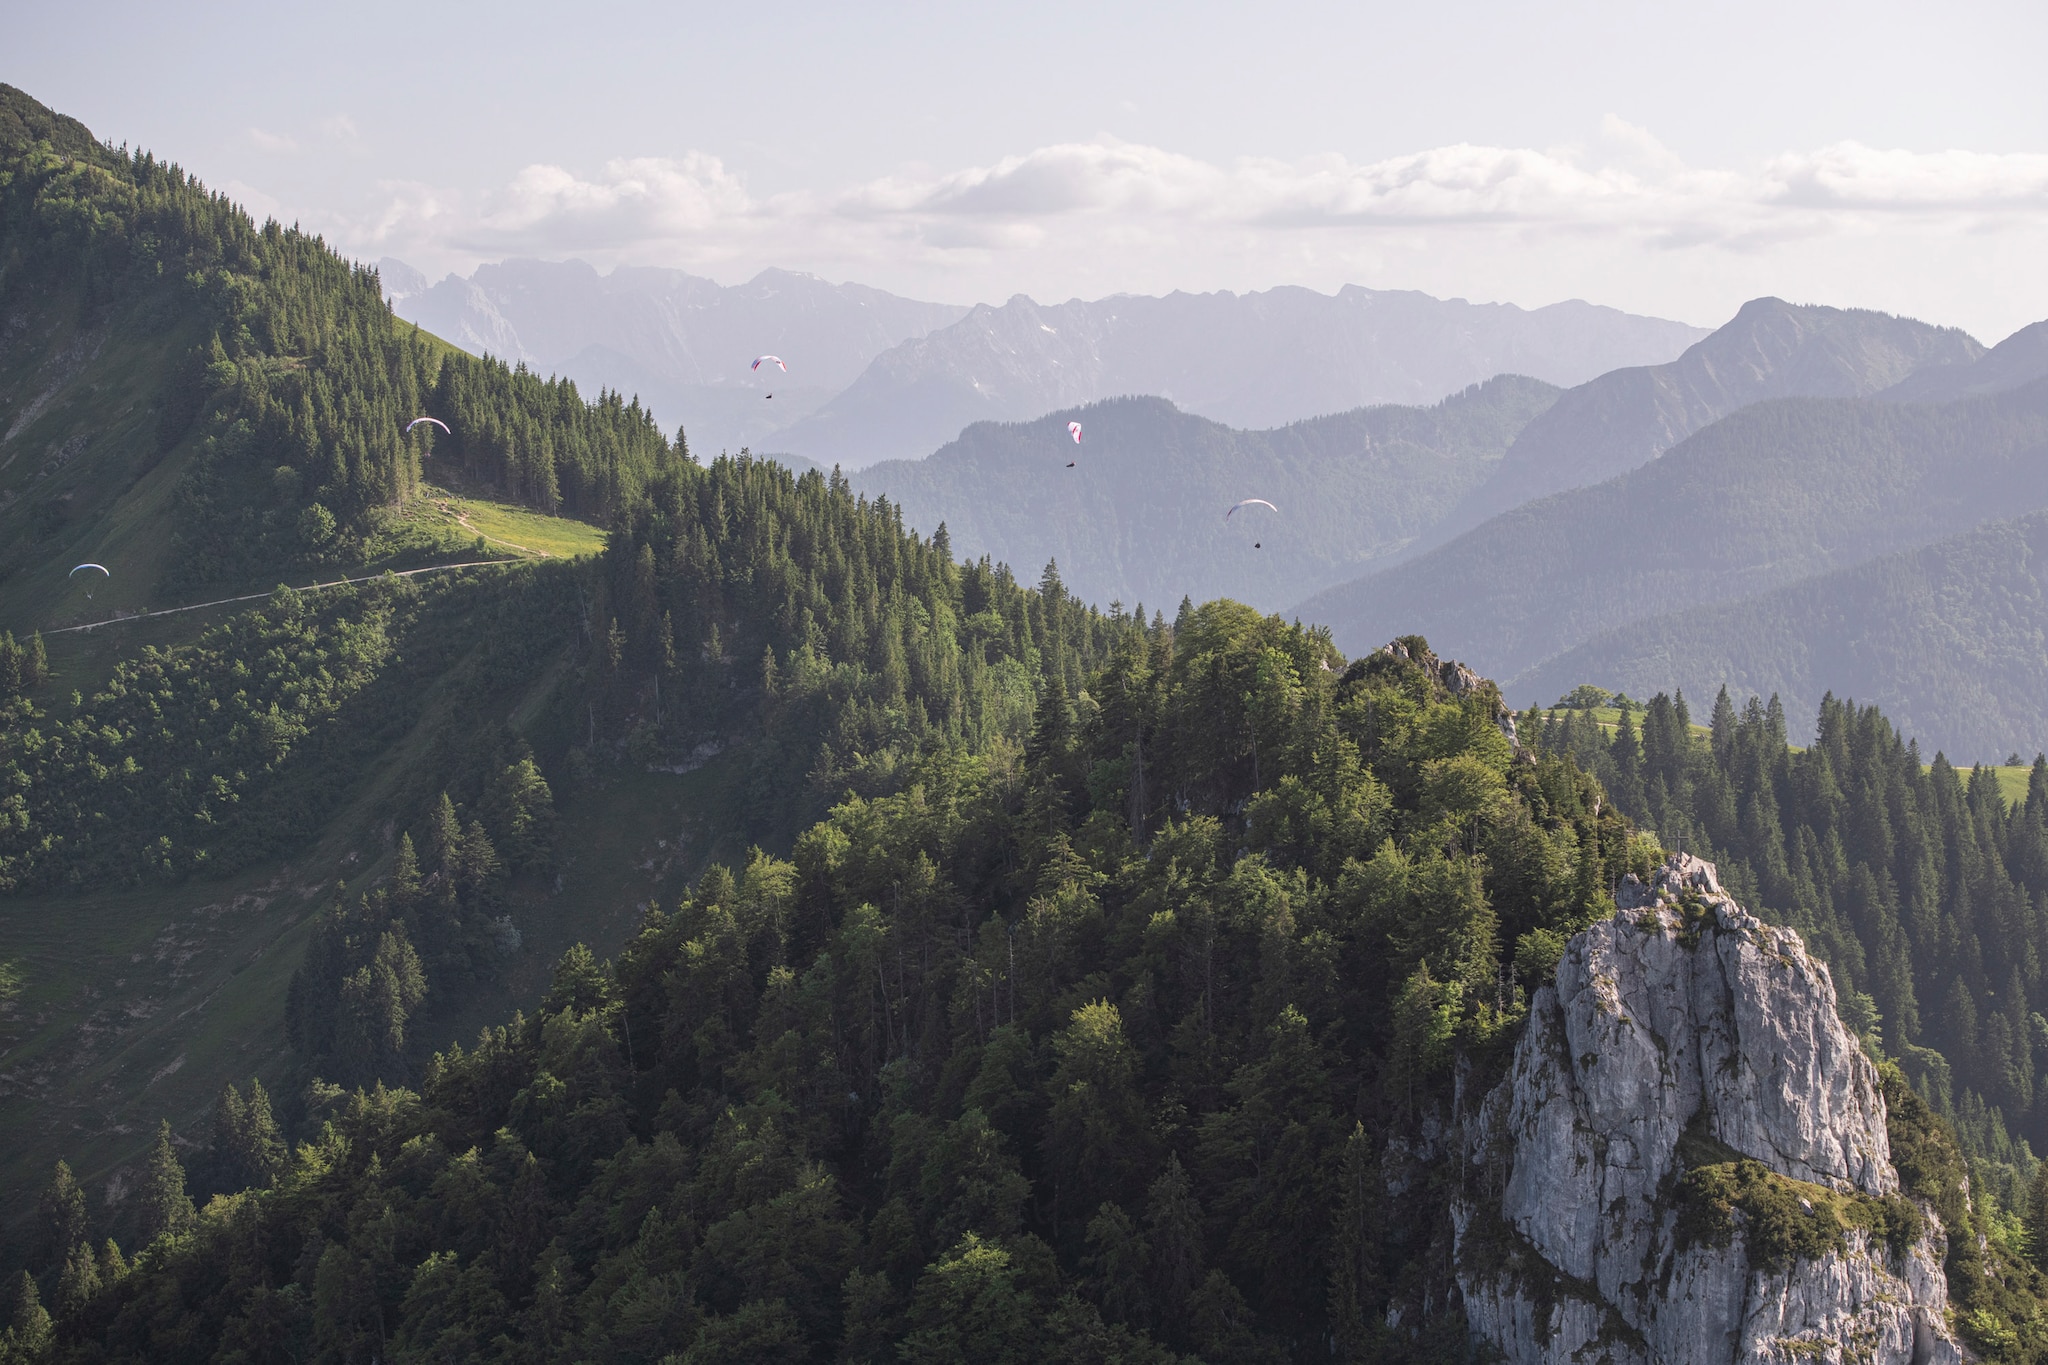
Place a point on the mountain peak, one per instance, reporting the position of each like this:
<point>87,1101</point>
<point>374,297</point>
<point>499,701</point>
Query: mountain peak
<point>1769,349</point>
<point>1256,360</point>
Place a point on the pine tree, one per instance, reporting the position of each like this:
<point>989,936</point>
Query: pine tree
<point>1357,1280</point>
<point>79,1281</point>
<point>444,838</point>
<point>165,1209</point>
<point>60,1218</point>
<point>29,1335</point>
<point>248,1149</point>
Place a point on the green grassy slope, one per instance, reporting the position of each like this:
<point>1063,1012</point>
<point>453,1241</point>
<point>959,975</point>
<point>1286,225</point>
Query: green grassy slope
<point>1951,640</point>
<point>81,476</point>
<point>142,1003</point>
<point>1140,516</point>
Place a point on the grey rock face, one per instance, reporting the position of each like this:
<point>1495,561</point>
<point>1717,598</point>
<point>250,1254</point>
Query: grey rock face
<point>1684,1017</point>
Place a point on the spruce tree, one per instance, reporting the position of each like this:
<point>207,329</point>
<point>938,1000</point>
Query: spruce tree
<point>60,1219</point>
<point>29,1333</point>
<point>164,1207</point>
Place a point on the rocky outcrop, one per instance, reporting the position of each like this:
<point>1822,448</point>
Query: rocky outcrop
<point>1683,1040</point>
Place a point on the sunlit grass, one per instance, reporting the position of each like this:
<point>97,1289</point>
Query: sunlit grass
<point>505,529</point>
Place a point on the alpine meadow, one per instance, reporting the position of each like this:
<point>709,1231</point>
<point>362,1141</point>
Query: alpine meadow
<point>484,879</point>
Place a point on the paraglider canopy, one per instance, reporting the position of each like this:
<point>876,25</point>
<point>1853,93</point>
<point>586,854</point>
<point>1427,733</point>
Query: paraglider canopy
<point>1248,502</point>
<point>774,360</point>
<point>1074,430</point>
<point>435,420</point>
<point>101,567</point>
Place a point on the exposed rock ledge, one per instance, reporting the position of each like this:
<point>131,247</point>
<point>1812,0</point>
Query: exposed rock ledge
<point>1684,1017</point>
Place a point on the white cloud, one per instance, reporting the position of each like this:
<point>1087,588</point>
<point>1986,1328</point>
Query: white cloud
<point>1625,222</point>
<point>272,142</point>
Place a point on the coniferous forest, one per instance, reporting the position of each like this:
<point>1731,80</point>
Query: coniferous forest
<point>291,374</point>
<point>1100,986</point>
<point>1926,891</point>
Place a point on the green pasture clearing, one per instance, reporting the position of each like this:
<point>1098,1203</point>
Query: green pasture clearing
<point>453,523</point>
<point>2012,782</point>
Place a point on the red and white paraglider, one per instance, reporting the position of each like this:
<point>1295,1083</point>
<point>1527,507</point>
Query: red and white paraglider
<point>774,360</point>
<point>1074,430</point>
<point>435,420</point>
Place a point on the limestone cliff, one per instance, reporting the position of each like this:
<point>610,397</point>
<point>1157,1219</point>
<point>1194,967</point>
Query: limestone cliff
<point>1688,1162</point>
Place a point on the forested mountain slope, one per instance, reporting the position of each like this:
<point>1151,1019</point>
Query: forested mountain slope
<point>1028,1059</point>
<point>1769,349</point>
<point>973,974</point>
<point>1950,639</point>
<point>1778,492</point>
<point>1252,360</point>
<point>1040,1058</point>
<point>2019,359</point>
<point>681,342</point>
<point>1139,518</point>
<point>1924,890</point>
<point>521,757</point>
<point>195,400</point>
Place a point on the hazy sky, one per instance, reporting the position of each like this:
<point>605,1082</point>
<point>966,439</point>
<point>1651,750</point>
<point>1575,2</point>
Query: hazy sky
<point>1664,158</point>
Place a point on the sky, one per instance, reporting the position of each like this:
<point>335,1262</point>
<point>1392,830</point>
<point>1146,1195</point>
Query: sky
<point>1661,158</point>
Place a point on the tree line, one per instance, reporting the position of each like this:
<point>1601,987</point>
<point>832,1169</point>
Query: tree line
<point>1924,889</point>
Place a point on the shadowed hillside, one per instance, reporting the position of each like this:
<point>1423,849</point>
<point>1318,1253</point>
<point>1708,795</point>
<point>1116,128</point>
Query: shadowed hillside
<point>1770,349</point>
<point>1779,492</point>
<point>1951,640</point>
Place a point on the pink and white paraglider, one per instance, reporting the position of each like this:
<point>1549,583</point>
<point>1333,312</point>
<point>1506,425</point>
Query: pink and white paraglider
<point>1074,430</point>
<point>774,360</point>
<point>435,420</point>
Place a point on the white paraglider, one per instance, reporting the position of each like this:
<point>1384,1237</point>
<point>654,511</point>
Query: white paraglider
<point>91,584</point>
<point>1074,430</point>
<point>774,360</point>
<point>435,420</point>
<point>1249,502</point>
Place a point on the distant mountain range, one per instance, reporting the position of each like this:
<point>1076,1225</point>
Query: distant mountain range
<point>1779,491</point>
<point>1806,498</point>
<point>873,376</point>
<point>1770,349</point>
<point>1950,639</point>
<point>1245,360</point>
<point>681,342</point>
<point>2019,359</point>
<point>1140,516</point>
